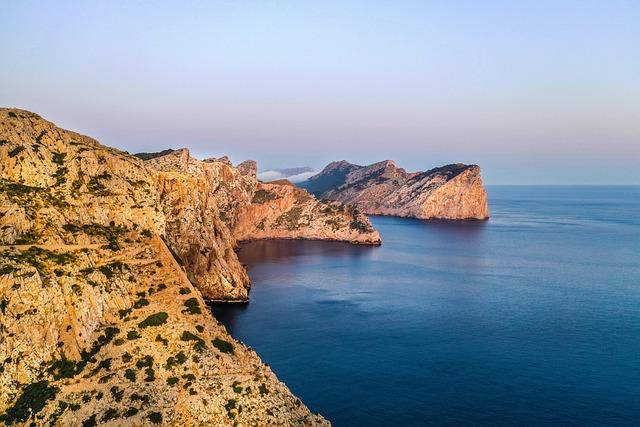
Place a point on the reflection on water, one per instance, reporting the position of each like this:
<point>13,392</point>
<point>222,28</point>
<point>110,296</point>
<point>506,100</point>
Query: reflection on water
<point>530,318</point>
<point>284,251</point>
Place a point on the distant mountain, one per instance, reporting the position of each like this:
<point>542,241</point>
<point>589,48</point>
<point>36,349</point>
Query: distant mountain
<point>449,192</point>
<point>149,156</point>
<point>294,175</point>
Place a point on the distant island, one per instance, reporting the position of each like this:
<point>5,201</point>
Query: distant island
<point>452,192</point>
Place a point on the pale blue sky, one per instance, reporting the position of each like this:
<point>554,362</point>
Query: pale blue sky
<point>533,91</point>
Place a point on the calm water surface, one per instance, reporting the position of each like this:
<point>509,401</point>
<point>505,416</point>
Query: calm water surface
<point>530,318</point>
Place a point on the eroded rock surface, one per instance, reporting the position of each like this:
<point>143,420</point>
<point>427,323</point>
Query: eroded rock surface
<point>452,192</point>
<point>104,262</point>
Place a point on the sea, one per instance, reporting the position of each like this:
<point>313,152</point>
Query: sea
<point>531,318</point>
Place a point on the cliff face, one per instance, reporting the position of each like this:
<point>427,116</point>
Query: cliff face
<point>449,192</point>
<point>281,210</point>
<point>104,262</point>
<point>209,205</point>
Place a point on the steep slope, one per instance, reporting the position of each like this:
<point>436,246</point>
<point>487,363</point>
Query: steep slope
<point>104,262</point>
<point>281,210</point>
<point>450,192</point>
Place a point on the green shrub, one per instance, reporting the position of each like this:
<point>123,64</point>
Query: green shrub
<point>96,187</point>
<point>116,393</point>
<point>142,302</point>
<point>263,389</point>
<point>172,381</point>
<point>145,362</point>
<point>199,344</point>
<point>229,406</point>
<point>155,417</point>
<point>109,414</point>
<point>150,375</point>
<point>65,368</point>
<point>130,374</point>
<point>136,397</point>
<point>193,307</point>
<point>133,335</point>
<point>109,270</point>
<point>223,346</point>
<point>105,364</point>
<point>181,357</point>
<point>360,225</point>
<point>156,319</point>
<point>90,422</point>
<point>164,341</point>
<point>32,400</point>
<point>188,336</point>
<point>130,412</point>
<point>19,149</point>
<point>58,158</point>
<point>178,359</point>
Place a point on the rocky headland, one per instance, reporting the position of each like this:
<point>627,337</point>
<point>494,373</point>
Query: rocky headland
<point>453,192</point>
<point>106,260</point>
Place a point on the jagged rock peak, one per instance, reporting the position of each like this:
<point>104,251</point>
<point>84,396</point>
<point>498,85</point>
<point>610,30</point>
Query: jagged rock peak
<point>338,165</point>
<point>223,159</point>
<point>248,167</point>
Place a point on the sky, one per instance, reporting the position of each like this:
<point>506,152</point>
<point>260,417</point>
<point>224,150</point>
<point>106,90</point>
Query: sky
<point>535,92</point>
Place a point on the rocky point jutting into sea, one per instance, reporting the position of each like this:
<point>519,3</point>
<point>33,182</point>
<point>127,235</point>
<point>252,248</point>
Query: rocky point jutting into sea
<point>106,261</point>
<point>453,192</point>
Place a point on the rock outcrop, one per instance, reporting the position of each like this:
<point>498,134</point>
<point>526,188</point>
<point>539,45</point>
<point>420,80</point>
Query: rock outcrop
<point>104,262</point>
<point>453,192</point>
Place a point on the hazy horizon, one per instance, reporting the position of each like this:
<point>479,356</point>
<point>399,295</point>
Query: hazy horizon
<point>534,92</point>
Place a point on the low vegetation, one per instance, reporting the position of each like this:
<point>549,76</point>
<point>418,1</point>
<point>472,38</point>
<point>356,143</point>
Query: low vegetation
<point>192,306</point>
<point>223,346</point>
<point>263,196</point>
<point>290,219</point>
<point>155,319</point>
<point>32,400</point>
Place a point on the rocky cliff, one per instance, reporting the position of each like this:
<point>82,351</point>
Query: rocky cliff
<point>450,192</point>
<point>104,262</point>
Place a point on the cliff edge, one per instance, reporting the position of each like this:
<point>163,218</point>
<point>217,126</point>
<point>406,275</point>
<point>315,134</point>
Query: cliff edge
<point>453,192</point>
<point>104,262</point>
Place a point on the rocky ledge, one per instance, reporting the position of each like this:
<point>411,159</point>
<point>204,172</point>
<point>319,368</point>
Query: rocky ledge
<point>453,192</point>
<point>105,261</point>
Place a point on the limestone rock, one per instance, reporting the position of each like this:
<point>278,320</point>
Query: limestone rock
<point>248,167</point>
<point>452,192</point>
<point>104,263</point>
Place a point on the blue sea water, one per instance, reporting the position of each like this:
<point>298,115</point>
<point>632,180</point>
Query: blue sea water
<point>530,318</point>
